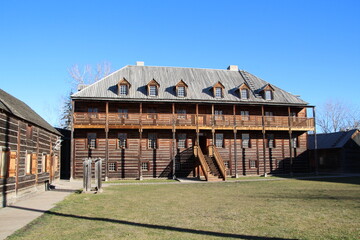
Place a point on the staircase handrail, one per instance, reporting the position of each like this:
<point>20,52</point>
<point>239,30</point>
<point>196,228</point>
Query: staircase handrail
<point>219,161</point>
<point>199,154</point>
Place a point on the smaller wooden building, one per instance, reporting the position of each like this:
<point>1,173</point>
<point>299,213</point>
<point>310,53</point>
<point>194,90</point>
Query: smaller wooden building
<point>337,152</point>
<point>29,150</point>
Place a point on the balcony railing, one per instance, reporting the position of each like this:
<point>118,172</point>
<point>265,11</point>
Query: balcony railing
<point>192,120</point>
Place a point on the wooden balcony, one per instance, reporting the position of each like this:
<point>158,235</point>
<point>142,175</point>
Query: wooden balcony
<point>191,121</point>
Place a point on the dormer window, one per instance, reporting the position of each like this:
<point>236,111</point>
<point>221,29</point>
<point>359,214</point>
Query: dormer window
<point>181,88</point>
<point>244,91</point>
<point>218,92</point>
<point>152,91</point>
<point>268,95</point>
<point>181,92</point>
<point>153,88</point>
<point>123,90</point>
<point>218,89</point>
<point>268,92</point>
<point>123,87</point>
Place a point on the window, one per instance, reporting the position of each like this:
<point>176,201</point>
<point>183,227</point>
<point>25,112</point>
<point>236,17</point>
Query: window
<point>218,115</point>
<point>151,113</point>
<point>145,166</point>
<point>219,140</point>
<point>93,110</point>
<point>294,142</point>
<point>226,164</point>
<point>123,113</point>
<point>244,93</point>
<point>245,140</point>
<point>181,113</point>
<point>269,116</point>
<point>252,163</point>
<point>244,115</point>
<point>181,91</point>
<point>122,139</point>
<point>123,90</point>
<point>43,163</point>
<point>293,114</point>
<point>112,167</point>
<point>3,163</point>
<point>28,163</point>
<point>152,139</point>
<point>270,141</point>
<point>153,90</point>
<point>91,137</point>
<point>218,92</point>
<point>268,95</point>
<point>182,140</point>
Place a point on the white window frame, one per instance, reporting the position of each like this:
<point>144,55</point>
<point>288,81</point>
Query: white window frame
<point>181,140</point>
<point>181,113</point>
<point>218,114</point>
<point>122,140</point>
<point>112,167</point>
<point>181,92</point>
<point>245,137</point>
<point>152,141</point>
<point>270,140</point>
<point>91,138</point>
<point>123,90</point>
<point>294,142</point>
<point>144,166</point>
<point>219,140</point>
<point>268,95</point>
<point>245,115</point>
<point>244,93</point>
<point>153,92</point>
<point>218,92</point>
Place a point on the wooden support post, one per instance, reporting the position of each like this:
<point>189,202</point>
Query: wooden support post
<point>107,142</point>
<point>37,155</point>
<point>213,124</point>
<point>263,135</point>
<point>174,143</point>
<point>197,125</point>
<point>140,146</point>
<point>291,142</point>
<point>235,145</point>
<point>72,143</point>
<point>17,159</point>
<point>315,143</point>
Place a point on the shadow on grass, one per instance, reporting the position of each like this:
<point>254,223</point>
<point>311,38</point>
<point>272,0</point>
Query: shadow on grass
<point>346,178</point>
<point>154,226</point>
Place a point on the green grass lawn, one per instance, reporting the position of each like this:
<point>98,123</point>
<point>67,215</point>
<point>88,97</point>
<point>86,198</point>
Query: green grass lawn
<point>290,209</point>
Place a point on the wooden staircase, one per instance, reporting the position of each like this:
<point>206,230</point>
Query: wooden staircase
<point>212,165</point>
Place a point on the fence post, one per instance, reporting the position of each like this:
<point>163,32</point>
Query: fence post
<point>87,174</point>
<point>98,176</point>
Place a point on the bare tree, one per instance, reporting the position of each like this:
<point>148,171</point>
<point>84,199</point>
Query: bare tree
<point>80,75</point>
<point>335,115</point>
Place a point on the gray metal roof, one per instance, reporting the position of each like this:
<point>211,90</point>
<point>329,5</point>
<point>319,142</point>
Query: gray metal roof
<point>199,81</point>
<point>14,106</point>
<point>330,140</point>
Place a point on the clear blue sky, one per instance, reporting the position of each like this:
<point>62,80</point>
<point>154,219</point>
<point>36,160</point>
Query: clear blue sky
<point>308,48</point>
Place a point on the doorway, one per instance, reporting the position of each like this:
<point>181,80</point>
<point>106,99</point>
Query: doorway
<point>203,144</point>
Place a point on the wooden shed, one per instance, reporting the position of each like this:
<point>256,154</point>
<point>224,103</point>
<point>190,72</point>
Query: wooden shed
<point>29,148</point>
<point>337,152</point>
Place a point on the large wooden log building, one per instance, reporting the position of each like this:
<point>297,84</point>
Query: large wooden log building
<point>151,122</point>
<point>29,157</point>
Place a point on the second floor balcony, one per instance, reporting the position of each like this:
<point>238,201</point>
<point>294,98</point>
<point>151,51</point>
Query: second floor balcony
<point>191,121</point>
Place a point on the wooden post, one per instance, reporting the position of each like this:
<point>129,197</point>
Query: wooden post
<point>291,142</point>
<point>263,135</point>
<point>315,143</point>
<point>37,155</point>
<point>235,145</point>
<point>174,142</point>
<point>17,159</point>
<point>213,124</point>
<point>107,142</point>
<point>72,144</point>
<point>197,124</point>
<point>140,146</point>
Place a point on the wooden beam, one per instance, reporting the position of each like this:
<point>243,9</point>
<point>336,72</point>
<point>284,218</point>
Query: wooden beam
<point>213,124</point>
<point>290,143</point>
<point>315,143</point>
<point>72,142</point>
<point>107,142</point>
<point>263,135</point>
